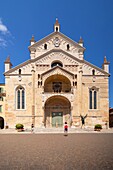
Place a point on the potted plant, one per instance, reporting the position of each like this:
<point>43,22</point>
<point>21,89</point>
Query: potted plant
<point>98,127</point>
<point>19,127</point>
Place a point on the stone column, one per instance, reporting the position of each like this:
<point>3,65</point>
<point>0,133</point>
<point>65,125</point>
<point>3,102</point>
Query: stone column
<point>43,120</point>
<point>33,96</point>
<point>71,116</point>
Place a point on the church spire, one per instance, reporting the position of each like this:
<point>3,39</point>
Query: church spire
<point>81,42</point>
<point>32,40</point>
<point>8,64</point>
<point>105,65</point>
<point>56,26</point>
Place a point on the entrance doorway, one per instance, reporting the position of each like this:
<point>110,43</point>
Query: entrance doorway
<point>1,122</point>
<point>57,119</point>
<point>56,111</point>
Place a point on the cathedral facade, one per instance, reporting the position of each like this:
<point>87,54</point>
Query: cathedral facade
<point>56,85</point>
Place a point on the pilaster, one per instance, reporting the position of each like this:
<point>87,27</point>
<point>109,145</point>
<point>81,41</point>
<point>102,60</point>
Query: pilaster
<point>79,89</point>
<point>33,95</point>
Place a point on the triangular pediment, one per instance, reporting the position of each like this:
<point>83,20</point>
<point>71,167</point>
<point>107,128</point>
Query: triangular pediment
<point>53,35</point>
<point>57,70</point>
<point>55,41</point>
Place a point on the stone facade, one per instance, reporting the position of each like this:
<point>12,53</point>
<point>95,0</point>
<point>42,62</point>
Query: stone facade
<point>56,85</point>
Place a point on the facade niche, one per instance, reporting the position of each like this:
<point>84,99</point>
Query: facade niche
<point>39,76</point>
<point>74,83</point>
<point>39,84</point>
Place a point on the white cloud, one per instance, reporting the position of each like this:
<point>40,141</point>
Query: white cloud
<point>5,35</point>
<point>3,42</point>
<point>3,28</point>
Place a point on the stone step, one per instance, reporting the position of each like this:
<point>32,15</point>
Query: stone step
<point>52,129</point>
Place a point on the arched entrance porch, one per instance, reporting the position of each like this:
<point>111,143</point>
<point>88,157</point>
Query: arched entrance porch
<point>1,122</point>
<point>57,111</point>
<point>57,84</point>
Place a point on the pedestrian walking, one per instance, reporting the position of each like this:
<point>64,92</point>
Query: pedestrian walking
<point>65,129</point>
<point>32,127</point>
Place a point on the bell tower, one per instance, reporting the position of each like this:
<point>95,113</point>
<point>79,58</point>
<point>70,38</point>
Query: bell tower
<point>56,26</point>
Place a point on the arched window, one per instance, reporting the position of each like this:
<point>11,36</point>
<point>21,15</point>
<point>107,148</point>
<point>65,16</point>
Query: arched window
<point>90,99</point>
<point>56,63</point>
<point>20,98</point>
<point>45,46</point>
<point>68,47</point>
<point>95,99</point>
<point>93,92</point>
<point>93,72</point>
<point>19,71</point>
<point>56,28</point>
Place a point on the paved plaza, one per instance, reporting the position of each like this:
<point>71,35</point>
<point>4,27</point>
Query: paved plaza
<point>79,151</point>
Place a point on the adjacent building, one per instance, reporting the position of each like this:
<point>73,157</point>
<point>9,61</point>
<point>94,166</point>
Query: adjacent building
<point>2,105</point>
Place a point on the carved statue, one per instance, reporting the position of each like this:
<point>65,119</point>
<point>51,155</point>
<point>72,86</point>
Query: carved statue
<point>83,119</point>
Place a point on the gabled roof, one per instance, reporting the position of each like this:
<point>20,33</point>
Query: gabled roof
<point>99,69</point>
<point>17,67</point>
<point>52,35</point>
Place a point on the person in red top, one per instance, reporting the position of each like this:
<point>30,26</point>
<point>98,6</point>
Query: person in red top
<point>65,127</point>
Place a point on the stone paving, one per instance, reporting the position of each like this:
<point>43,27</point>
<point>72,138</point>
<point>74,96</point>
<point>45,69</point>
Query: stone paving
<point>77,151</point>
<point>55,130</point>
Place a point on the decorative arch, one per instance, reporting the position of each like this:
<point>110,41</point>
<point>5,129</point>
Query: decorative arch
<point>56,63</point>
<point>1,122</point>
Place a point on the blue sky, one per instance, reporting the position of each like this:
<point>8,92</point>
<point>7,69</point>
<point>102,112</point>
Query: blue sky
<point>91,19</point>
